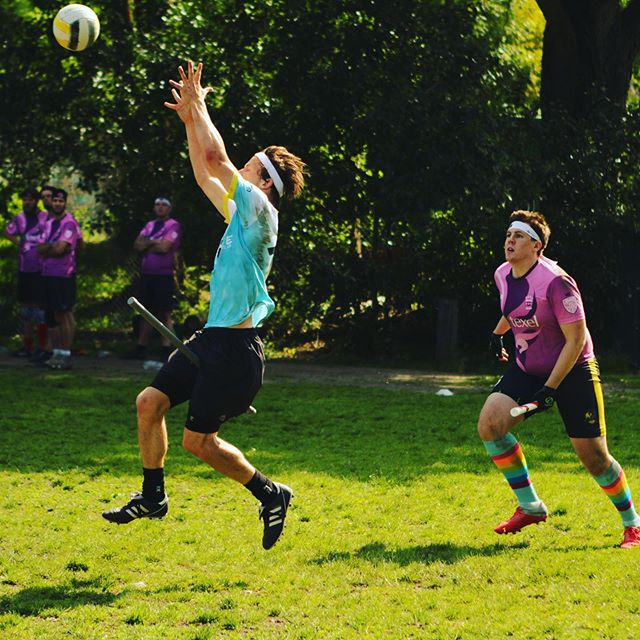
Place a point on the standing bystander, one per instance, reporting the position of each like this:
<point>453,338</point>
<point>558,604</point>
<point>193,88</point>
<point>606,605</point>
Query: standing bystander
<point>58,250</point>
<point>158,242</point>
<point>25,231</point>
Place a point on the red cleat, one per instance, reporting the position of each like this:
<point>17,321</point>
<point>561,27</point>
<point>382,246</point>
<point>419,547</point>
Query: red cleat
<point>520,519</point>
<point>631,538</point>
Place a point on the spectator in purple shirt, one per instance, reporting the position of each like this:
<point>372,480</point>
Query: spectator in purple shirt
<point>25,231</point>
<point>158,242</point>
<point>59,240</point>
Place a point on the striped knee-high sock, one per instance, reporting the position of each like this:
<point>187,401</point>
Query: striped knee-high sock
<point>614,483</point>
<point>507,455</point>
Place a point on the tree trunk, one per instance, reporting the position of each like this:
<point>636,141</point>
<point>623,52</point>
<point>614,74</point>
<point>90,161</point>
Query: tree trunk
<point>588,52</point>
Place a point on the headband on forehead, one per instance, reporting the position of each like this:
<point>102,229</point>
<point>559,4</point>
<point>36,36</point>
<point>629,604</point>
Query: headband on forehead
<point>528,229</point>
<point>162,200</point>
<point>271,170</point>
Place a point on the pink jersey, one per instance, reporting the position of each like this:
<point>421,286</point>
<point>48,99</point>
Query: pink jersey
<point>160,264</point>
<point>30,229</point>
<point>64,229</point>
<point>535,306</point>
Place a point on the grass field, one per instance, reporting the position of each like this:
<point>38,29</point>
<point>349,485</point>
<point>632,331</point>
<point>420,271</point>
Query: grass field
<point>389,535</point>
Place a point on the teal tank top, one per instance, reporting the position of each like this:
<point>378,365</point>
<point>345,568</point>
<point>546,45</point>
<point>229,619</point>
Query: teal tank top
<point>244,257</point>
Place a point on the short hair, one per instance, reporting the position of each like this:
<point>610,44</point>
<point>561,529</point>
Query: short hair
<point>30,192</point>
<point>59,193</point>
<point>289,167</point>
<point>47,187</point>
<point>537,222</point>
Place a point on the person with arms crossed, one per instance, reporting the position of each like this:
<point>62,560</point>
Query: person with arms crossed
<point>59,240</point>
<point>229,347</point>
<point>158,242</point>
<point>25,231</point>
<point>554,362</point>
<point>46,194</point>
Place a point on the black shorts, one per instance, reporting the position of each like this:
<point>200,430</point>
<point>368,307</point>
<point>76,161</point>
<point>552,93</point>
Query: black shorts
<point>224,385</point>
<point>579,397</point>
<point>58,294</point>
<point>29,287</point>
<point>157,293</point>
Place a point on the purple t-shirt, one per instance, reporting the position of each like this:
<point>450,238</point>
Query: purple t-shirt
<point>64,229</point>
<point>535,306</point>
<point>160,264</point>
<point>30,229</point>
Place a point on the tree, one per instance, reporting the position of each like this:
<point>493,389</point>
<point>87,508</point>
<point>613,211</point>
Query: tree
<point>590,47</point>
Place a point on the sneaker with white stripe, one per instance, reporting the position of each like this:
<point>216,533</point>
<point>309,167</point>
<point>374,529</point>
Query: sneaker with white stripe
<point>273,514</point>
<point>136,508</point>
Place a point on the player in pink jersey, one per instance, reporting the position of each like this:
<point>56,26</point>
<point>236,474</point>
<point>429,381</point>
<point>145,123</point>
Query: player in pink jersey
<point>25,231</point>
<point>158,242</point>
<point>58,250</point>
<point>554,362</point>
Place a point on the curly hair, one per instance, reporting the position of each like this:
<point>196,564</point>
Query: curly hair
<point>290,168</point>
<point>537,222</point>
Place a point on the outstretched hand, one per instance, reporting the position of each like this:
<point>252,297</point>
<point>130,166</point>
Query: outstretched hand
<point>187,91</point>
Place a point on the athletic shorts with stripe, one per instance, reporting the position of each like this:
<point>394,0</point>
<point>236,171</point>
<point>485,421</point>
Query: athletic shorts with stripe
<point>579,397</point>
<point>226,382</point>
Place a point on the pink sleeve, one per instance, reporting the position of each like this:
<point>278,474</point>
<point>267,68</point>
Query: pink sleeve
<point>565,300</point>
<point>70,233</point>
<point>146,230</point>
<point>12,227</point>
<point>174,234</point>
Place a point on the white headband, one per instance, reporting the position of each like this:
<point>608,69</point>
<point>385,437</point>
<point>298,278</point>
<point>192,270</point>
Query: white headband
<point>523,226</point>
<point>162,200</point>
<point>271,170</point>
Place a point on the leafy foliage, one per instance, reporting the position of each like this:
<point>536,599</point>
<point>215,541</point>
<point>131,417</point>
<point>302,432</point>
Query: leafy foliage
<point>418,122</point>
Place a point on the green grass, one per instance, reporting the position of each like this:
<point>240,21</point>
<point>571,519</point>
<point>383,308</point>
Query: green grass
<point>389,535</point>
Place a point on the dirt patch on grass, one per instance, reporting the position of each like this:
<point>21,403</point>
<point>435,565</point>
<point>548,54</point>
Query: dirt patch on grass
<point>285,371</point>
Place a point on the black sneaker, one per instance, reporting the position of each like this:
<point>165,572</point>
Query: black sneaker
<point>137,507</point>
<point>273,513</point>
<point>23,352</point>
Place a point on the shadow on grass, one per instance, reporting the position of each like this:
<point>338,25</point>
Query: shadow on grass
<point>378,553</point>
<point>33,601</point>
<point>84,422</point>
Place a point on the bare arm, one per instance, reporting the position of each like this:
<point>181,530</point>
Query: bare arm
<point>54,249</point>
<point>575,335</point>
<point>153,246</point>
<point>211,165</point>
<point>502,327</point>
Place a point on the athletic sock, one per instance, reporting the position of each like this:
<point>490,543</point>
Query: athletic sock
<point>42,336</point>
<point>65,352</point>
<point>261,487</point>
<point>153,484</point>
<point>614,483</point>
<point>507,455</point>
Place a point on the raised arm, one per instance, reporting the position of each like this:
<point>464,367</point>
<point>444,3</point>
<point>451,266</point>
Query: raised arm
<point>211,165</point>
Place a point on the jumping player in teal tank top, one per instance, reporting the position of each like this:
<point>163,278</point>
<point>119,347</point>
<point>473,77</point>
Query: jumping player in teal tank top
<point>228,347</point>
<point>554,364</point>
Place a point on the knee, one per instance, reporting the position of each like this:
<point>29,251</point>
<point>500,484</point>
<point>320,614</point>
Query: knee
<point>597,463</point>
<point>489,428</point>
<point>196,443</point>
<point>150,404</point>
